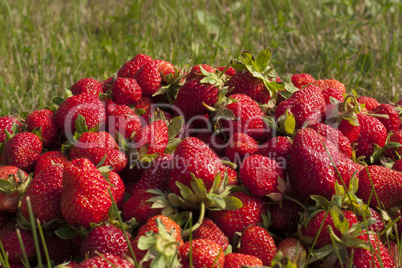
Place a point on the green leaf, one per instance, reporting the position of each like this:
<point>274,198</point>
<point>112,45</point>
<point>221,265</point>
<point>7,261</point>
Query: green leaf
<point>247,58</point>
<point>232,203</point>
<point>80,124</point>
<point>216,183</point>
<point>66,232</point>
<point>6,186</point>
<point>198,187</point>
<point>58,100</point>
<point>353,185</point>
<point>215,202</point>
<point>139,111</point>
<point>270,121</point>
<point>290,124</point>
<point>340,222</point>
<point>146,241</point>
<point>186,192</point>
<point>148,158</point>
<point>262,60</point>
<point>175,126</point>
<point>321,202</point>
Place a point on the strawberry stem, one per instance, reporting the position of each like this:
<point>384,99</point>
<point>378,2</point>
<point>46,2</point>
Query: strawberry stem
<point>187,232</point>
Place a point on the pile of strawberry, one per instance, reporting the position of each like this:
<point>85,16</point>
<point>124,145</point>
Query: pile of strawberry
<point>160,166</point>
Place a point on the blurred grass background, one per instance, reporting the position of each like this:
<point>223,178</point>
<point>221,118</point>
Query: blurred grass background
<point>47,45</point>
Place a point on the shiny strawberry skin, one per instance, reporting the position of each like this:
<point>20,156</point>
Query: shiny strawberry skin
<point>22,151</point>
<point>194,156</point>
<point>231,221</point>
<point>398,165</point>
<point>392,123</point>
<point>110,262</point>
<point>46,120</point>
<point>205,253</point>
<point>239,260</point>
<point>302,79</point>
<point>138,207</point>
<point>13,249</point>
<point>259,175</point>
<point>85,197</point>
<point>105,239</point>
<point>209,230</point>
<point>387,184</point>
<point>89,106</point>
<point>6,122</point>
<point>86,85</point>
<point>325,84</point>
<point>370,102</point>
<point>372,131</point>
<point>148,78</point>
<point>335,93</point>
<point>284,216</point>
<point>154,135</point>
<point>195,72</point>
<point>277,148</point>
<point>49,158</point>
<point>45,195</point>
<point>350,131</point>
<point>117,188</point>
<point>256,241</point>
<point>132,66</point>
<point>126,91</point>
<point>239,147</point>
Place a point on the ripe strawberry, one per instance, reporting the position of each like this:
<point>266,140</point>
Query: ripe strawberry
<point>278,149</point>
<point>131,67</point>
<point>335,93</point>
<point>45,120</point>
<point>372,131</point>
<point>294,249</point>
<point>193,94</point>
<point>45,195</point>
<point>105,261</point>
<point>239,147</point>
<point>117,188</point>
<point>302,79</point>
<point>397,165</point>
<point>48,159</point>
<point>284,216</point>
<point>59,250</point>
<point>247,116</point>
<point>196,73</point>
<point>349,130</point>
<point>395,137</point>
<point>9,198</point>
<point>230,71</point>
<point>204,253</point>
<point>126,91</point>
<point>13,249</point>
<point>209,230</point>
<point>324,84</point>
<point>105,239</point>
<point>306,104</point>
<point>214,140</point>
<point>370,102</point>
<point>394,252</point>
<point>378,226</point>
<point>311,171</point>
<point>194,156</point>
<point>6,123</point>
<point>95,146</point>
<point>88,86</point>
<point>22,150</point>
<point>152,139</point>
<point>107,84</point>
<point>148,78</point>
<point>386,183</point>
<point>138,207</point>
<point>310,227</point>
<point>392,122</point>
<point>238,260</point>
<point>166,70</point>
<point>231,221</point>
<point>333,135</point>
<point>88,106</point>
<point>151,226</point>
<point>85,197</point>
<point>256,241</point>
<point>259,175</point>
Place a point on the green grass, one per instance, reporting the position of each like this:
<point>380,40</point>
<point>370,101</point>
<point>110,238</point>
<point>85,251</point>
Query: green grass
<point>46,46</point>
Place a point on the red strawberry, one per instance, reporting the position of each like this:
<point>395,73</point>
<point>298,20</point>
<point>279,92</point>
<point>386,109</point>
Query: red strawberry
<point>325,84</point>
<point>117,188</point>
<point>372,131</point>
<point>230,71</point>
<point>167,71</point>
<point>88,86</point>
<point>22,150</point>
<point>148,78</point>
<point>349,130</point>
<point>392,122</point>
<point>335,136</point>
<point>194,156</point>
<point>6,123</point>
<point>204,253</point>
<point>45,120</point>
<point>85,197</point>
<point>88,106</point>
<point>398,165</point>
<point>48,159</point>
<point>122,118</point>
<point>196,73</point>
<point>395,137</point>
<point>284,216</point>
<point>302,79</point>
<point>144,105</point>
<point>240,146</point>
<point>294,249</point>
<point>238,260</point>
<point>248,118</point>
<point>13,249</point>
<point>152,139</point>
<point>131,67</point>
<point>105,239</point>
<point>231,221</point>
<point>107,84</point>
<point>386,183</point>
<point>256,241</point>
<point>306,104</point>
<point>9,198</point>
<point>138,207</point>
<point>44,193</point>
<point>311,227</point>
<point>378,226</point>
<point>105,261</point>
<point>335,93</point>
<point>59,250</point>
<point>214,140</point>
<point>370,102</point>
<point>209,230</point>
<point>260,174</point>
<point>311,171</point>
<point>278,149</point>
<point>126,91</point>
